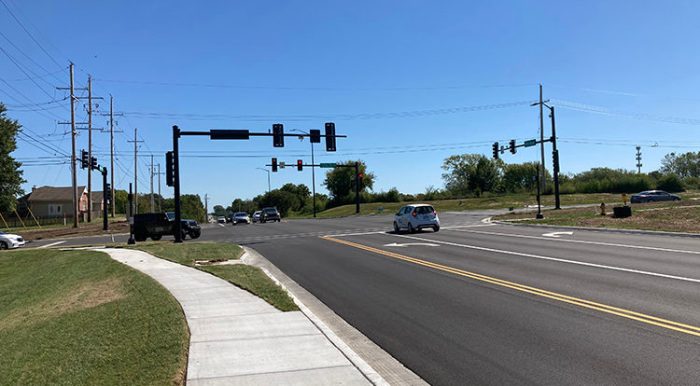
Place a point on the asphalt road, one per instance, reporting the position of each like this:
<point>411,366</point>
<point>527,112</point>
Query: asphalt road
<point>478,303</point>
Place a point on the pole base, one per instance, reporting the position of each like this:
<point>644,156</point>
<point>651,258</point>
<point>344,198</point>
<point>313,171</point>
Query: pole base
<point>539,216</point>
<point>131,240</point>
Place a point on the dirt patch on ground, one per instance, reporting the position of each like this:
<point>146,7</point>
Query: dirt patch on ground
<point>87,295</point>
<point>84,230</point>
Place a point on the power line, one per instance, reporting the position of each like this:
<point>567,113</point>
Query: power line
<point>29,33</point>
<point>641,116</point>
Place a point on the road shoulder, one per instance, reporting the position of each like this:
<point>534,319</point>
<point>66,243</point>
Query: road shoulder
<point>592,229</point>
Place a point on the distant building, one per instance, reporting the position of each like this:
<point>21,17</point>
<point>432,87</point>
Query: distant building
<point>51,201</point>
<point>97,204</point>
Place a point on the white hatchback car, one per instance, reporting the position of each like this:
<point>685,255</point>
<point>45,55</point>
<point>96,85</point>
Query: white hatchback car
<point>8,241</point>
<point>416,217</point>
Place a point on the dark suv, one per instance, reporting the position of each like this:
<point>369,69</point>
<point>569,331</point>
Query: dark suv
<point>153,225</point>
<point>191,228</point>
<point>270,214</point>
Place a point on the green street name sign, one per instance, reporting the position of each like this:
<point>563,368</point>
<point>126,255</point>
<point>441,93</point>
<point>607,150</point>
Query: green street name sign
<point>327,165</point>
<point>530,142</point>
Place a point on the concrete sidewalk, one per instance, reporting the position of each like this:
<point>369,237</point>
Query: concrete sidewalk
<point>239,339</point>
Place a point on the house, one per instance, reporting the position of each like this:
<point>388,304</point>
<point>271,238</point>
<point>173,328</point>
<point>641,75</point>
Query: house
<point>97,204</point>
<point>51,201</point>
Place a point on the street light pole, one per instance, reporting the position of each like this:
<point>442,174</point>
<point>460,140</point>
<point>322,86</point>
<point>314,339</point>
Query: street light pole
<point>268,178</point>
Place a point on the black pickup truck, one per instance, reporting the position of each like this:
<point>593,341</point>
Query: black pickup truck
<point>157,225</point>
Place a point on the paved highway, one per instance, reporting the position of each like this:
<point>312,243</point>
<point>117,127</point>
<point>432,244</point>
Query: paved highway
<point>492,304</point>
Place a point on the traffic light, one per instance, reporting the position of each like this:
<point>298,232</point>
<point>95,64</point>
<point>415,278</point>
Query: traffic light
<point>93,163</point>
<point>277,135</point>
<point>512,146</point>
<point>170,168</point>
<point>495,150</point>
<point>108,192</point>
<point>274,165</point>
<point>84,162</point>
<point>315,136</point>
<point>555,160</point>
<point>330,136</point>
<point>300,165</point>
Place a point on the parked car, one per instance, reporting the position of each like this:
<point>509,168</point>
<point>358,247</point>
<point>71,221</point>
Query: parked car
<point>191,228</point>
<point>653,196</point>
<point>415,217</point>
<point>240,217</point>
<point>270,214</point>
<point>10,241</point>
<point>153,225</point>
<point>221,220</point>
<point>256,216</point>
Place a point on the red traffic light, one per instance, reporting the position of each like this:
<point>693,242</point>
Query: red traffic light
<point>300,165</point>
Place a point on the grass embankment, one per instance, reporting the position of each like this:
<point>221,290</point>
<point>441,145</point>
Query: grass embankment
<point>491,202</point>
<point>79,317</point>
<point>668,216</point>
<point>251,279</point>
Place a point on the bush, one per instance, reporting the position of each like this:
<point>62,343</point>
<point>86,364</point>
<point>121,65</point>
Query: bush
<point>670,183</point>
<point>691,182</point>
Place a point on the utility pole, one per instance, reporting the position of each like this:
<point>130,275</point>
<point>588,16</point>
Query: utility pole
<point>313,179</point>
<point>136,175</point>
<point>74,134</point>
<point>160,198</point>
<point>111,151</point>
<point>542,178</point>
<point>153,202</point>
<point>206,206</point>
<point>639,159</point>
<point>89,187</point>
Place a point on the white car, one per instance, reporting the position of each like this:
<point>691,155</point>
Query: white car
<point>240,217</point>
<point>256,216</point>
<point>415,217</point>
<point>9,241</point>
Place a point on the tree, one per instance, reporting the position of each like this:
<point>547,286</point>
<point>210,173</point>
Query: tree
<point>682,165</point>
<point>219,210</point>
<point>670,183</point>
<point>340,182</point>
<point>192,207</point>
<point>10,175</point>
<point>240,205</point>
<point>301,192</point>
<point>519,177</point>
<point>471,174</point>
<point>280,199</point>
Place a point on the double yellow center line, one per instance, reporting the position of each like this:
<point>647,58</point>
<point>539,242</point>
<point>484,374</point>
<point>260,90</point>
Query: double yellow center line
<point>640,317</point>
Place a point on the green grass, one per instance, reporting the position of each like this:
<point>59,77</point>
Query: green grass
<point>79,317</point>
<point>249,278</point>
<point>489,202</point>
<point>670,217</point>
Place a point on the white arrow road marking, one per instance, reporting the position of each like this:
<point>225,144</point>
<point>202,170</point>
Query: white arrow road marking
<point>51,245</point>
<point>557,234</point>
<point>410,244</point>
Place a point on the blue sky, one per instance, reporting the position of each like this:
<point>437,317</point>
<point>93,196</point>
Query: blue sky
<point>409,82</point>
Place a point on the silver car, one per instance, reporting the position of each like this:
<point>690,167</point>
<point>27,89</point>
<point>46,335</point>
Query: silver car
<point>415,217</point>
<point>9,241</point>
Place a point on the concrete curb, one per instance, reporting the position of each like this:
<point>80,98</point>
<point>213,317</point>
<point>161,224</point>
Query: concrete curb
<point>352,343</point>
<point>608,230</point>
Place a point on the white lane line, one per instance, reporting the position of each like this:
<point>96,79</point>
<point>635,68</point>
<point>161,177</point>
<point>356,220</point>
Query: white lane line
<point>468,226</point>
<point>609,267</point>
<point>581,242</point>
<point>51,244</point>
<point>221,225</point>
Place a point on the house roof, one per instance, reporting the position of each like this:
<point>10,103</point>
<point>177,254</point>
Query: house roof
<point>53,193</point>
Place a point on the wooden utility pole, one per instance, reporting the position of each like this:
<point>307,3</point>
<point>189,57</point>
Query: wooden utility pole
<point>74,134</point>
<point>136,175</point>
<point>153,202</point>
<point>89,184</point>
<point>111,151</point>
<point>160,198</point>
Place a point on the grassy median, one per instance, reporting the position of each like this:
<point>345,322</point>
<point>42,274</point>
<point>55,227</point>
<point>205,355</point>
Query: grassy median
<point>79,317</point>
<point>668,216</point>
<point>249,278</point>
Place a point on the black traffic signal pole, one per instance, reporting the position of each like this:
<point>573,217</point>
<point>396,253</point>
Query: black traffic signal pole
<point>105,206</point>
<point>277,134</point>
<point>555,160</point>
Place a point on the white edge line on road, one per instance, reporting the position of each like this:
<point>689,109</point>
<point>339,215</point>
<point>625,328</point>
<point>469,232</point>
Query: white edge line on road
<point>613,268</point>
<point>579,241</point>
<point>51,244</point>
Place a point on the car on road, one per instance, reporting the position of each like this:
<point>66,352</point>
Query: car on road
<point>653,196</point>
<point>10,241</point>
<point>221,220</point>
<point>240,217</point>
<point>190,228</point>
<point>153,225</point>
<point>270,214</point>
<point>256,216</point>
<point>415,217</point>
